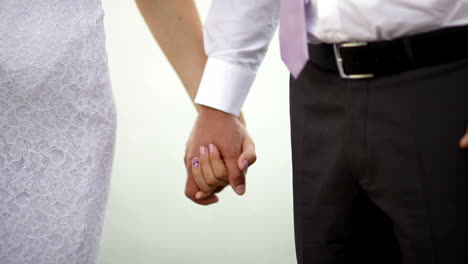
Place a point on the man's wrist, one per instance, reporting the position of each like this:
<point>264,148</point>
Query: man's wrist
<point>213,111</point>
<point>242,119</point>
<point>224,86</point>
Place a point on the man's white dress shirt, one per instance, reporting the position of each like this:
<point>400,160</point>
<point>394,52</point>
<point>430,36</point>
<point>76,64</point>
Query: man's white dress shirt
<point>237,34</point>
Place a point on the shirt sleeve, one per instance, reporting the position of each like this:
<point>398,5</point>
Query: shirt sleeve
<point>236,34</point>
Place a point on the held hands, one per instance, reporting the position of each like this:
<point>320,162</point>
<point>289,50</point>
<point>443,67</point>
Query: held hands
<point>218,153</point>
<point>211,168</point>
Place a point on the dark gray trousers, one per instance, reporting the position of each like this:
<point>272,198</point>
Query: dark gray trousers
<point>378,173</point>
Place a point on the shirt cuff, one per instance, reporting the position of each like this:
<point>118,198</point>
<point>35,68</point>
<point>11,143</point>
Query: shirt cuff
<point>224,86</point>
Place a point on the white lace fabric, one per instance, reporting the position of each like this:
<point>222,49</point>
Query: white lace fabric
<point>57,131</point>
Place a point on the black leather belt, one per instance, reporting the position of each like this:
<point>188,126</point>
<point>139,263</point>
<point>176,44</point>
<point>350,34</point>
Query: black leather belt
<point>363,60</point>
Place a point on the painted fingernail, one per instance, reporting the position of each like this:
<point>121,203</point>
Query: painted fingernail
<point>212,148</point>
<point>196,162</point>
<point>240,189</point>
<point>202,151</point>
<point>245,165</point>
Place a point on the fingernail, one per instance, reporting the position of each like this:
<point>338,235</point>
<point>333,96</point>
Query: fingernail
<point>240,189</point>
<point>245,165</point>
<point>199,195</point>
<point>212,148</point>
<point>196,163</point>
<point>202,151</point>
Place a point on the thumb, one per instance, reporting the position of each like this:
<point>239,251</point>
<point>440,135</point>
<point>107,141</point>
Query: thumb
<point>248,155</point>
<point>236,177</point>
<point>464,140</point>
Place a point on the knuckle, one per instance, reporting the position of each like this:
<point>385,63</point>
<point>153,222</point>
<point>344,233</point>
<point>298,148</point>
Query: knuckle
<point>205,188</point>
<point>221,175</point>
<point>212,181</point>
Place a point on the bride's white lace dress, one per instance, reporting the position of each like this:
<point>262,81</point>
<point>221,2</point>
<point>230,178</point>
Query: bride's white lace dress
<point>57,131</point>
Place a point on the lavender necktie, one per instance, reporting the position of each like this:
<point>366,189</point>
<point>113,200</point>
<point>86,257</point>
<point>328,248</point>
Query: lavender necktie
<point>293,35</point>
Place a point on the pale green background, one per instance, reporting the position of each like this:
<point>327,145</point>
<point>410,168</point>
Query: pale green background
<point>149,220</point>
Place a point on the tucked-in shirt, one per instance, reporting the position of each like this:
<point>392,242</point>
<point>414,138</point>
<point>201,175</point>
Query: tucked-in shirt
<point>237,34</point>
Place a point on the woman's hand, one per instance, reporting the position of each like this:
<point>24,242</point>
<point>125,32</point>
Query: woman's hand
<point>210,172</point>
<point>210,169</point>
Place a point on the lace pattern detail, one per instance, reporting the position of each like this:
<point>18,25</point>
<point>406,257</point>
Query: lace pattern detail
<point>57,131</point>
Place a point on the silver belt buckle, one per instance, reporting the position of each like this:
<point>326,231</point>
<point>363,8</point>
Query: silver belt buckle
<point>339,61</point>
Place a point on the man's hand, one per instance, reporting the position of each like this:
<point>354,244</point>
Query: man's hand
<point>464,140</point>
<point>226,132</point>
